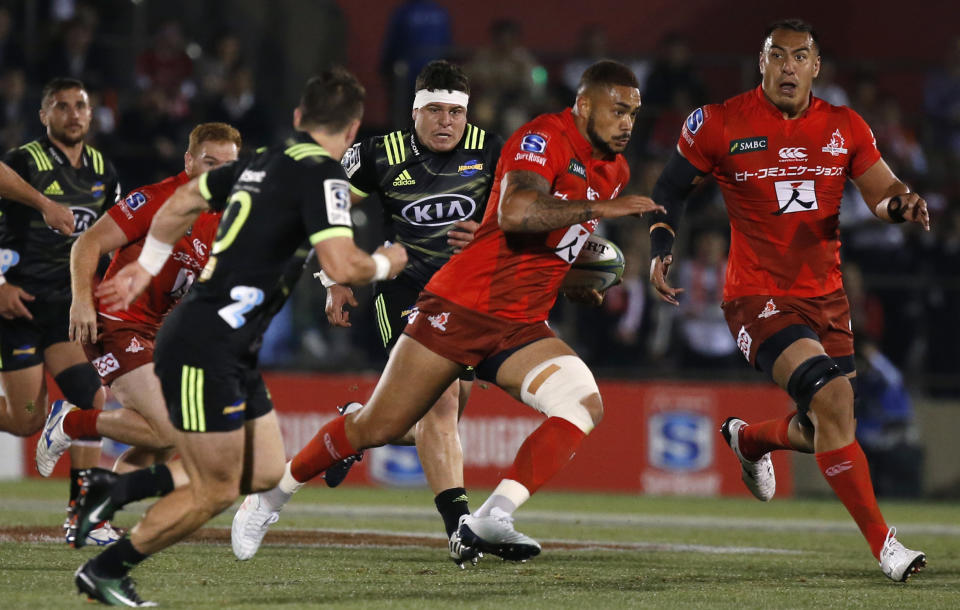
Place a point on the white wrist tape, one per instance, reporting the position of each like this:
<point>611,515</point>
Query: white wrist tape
<point>324,279</point>
<point>383,266</point>
<point>440,96</point>
<point>154,254</point>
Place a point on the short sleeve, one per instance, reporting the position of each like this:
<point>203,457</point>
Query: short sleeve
<point>217,184</point>
<point>359,162</point>
<point>536,148</point>
<point>325,201</point>
<point>135,212</point>
<point>701,139</point>
<point>865,152</point>
<point>17,160</point>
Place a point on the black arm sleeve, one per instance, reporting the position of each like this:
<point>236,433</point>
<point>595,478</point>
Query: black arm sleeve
<point>217,184</point>
<point>671,191</point>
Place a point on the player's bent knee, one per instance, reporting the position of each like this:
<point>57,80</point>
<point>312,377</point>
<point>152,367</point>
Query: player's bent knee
<point>79,384</point>
<point>564,387</point>
<point>808,379</point>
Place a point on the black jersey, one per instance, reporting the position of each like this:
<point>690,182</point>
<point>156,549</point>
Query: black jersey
<point>423,192</point>
<point>273,203</point>
<point>32,255</point>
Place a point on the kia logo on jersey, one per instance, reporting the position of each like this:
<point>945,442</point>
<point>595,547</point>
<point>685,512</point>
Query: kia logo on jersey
<point>793,152</point>
<point>83,219</point>
<point>439,210</point>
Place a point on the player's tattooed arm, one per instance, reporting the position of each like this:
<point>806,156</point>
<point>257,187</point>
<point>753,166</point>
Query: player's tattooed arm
<point>527,206</point>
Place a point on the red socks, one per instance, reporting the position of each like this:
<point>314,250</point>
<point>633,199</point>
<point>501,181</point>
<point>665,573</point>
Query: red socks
<point>328,447</point>
<point>847,473</point>
<point>545,452</point>
<point>81,423</point>
<point>756,440</point>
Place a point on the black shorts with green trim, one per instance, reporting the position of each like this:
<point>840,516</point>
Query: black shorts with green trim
<point>23,341</point>
<point>395,301</point>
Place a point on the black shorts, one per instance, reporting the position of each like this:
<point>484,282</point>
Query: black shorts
<point>205,390</point>
<point>23,341</point>
<point>395,301</point>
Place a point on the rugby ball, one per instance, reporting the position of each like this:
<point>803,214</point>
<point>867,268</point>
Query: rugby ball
<point>599,266</point>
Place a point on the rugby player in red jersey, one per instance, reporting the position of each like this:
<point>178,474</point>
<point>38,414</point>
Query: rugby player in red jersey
<point>487,307</point>
<point>120,343</point>
<point>781,158</point>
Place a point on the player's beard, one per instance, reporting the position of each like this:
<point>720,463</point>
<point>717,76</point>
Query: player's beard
<point>596,141</point>
<point>65,138</point>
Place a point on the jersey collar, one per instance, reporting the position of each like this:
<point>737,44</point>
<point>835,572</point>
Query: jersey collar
<point>57,155</point>
<point>580,144</point>
<point>773,110</point>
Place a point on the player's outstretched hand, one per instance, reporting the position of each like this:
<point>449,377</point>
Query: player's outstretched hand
<point>120,291</point>
<point>462,234</point>
<point>11,302</point>
<point>339,295</point>
<point>627,205</point>
<point>658,277</point>
<point>59,218</point>
<point>83,322</point>
<point>915,210</point>
<point>397,255</point>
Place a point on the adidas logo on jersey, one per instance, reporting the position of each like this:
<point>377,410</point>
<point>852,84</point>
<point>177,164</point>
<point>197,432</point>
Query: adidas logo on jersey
<point>53,189</point>
<point>404,179</point>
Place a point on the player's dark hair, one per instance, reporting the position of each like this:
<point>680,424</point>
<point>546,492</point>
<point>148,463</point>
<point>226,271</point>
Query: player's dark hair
<point>606,73</point>
<point>795,25</point>
<point>57,85</point>
<point>441,74</point>
<point>331,100</point>
<point>213,132</point>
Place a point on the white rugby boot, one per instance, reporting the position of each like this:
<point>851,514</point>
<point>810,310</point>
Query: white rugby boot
<point>758,475</point>
<point>897,561</point>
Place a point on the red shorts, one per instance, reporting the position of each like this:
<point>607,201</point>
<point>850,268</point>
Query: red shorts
<point>121,347</point>
<point>466,336</point>
<point>754,319</point>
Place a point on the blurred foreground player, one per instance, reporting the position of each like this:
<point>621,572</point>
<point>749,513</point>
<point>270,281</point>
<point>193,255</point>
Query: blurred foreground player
<point>487,307</point>
<point>781,158</point>
<point>225,429</point>
<point>120,343</point>
<point>432,182</point>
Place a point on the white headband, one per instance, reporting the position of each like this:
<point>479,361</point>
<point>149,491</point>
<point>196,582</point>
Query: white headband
<point>441,96</point>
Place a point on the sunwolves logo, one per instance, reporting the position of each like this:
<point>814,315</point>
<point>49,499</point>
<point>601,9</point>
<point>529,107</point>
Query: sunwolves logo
<point>768,310</point>
<point>134,346</point>
<point>835,145</point>
<point>440,320</point>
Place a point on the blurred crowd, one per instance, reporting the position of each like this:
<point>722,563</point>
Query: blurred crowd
<point>903,284</point>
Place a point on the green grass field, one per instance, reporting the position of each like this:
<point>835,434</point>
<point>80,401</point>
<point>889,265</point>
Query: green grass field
<point>599,551</point>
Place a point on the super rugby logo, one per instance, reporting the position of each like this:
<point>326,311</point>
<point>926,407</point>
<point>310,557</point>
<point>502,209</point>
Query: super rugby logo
<point>83,219</point>
<point>695,121</point>
<point>438,210</point>
<point>534,142</point>
<point>134,200</point>
<point>8,258</point>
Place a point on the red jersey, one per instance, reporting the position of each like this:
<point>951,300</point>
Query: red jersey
<point>517,275</point>
<point>133,215</point>
<point>782,181</point>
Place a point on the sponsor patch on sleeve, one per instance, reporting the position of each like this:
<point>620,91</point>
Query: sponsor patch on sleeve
<point>351,160</point>
<point>695,121</point>
<point>135,200</point>
<point>336,194</point>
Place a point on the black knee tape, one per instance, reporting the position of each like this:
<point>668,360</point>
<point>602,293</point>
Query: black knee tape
<point>79,384</point>
<point>807,379</point>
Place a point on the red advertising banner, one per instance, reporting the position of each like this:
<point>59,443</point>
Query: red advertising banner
<point>655,438</point>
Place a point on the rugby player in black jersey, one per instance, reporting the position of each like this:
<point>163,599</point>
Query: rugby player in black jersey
<point>35,274</point>
<point>206,350</point>
<point>432,182</point>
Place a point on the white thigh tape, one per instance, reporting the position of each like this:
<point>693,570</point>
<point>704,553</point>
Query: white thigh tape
<point>561,392</point>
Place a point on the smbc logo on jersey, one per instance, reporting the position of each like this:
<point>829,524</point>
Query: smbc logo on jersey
<point>439,210</point>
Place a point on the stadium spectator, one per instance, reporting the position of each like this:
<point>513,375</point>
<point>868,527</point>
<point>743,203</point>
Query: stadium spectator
<point>238,105</point>
<point>419,32</point>
<point>503,75</point>
<point>76,55</point>
<point>11,50</point>
<point>826,86</point>
<point>941,103</point>
<point>17,118</point>
<point>166,67</point>
<point>783,298</point>
<point>213,69</point>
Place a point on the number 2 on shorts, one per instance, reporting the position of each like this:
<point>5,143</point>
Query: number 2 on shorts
<point>246,297</point>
